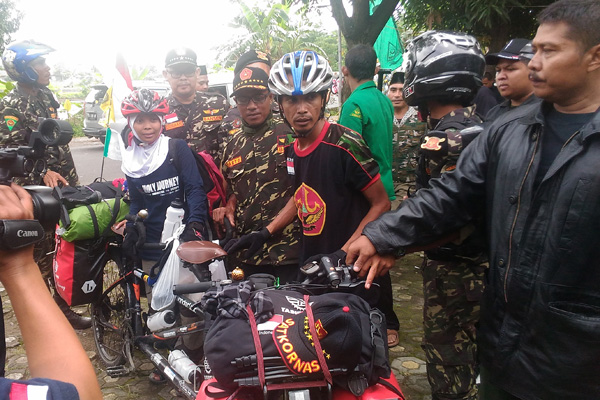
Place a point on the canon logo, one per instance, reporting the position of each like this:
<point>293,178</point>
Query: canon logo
<point>22,233</point>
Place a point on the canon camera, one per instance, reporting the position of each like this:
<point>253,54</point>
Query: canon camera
<point>28,161</point>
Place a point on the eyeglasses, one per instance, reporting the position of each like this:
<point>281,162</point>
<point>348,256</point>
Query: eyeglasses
<point>179,74</point>
<point>256,99</point>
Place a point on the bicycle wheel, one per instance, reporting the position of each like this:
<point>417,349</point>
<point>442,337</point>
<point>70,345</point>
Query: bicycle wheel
<point>109,319</point>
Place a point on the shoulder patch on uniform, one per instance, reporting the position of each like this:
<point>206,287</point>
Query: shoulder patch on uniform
<point>11,121</point>
<point>281,142</point>
<point>233,162</point>
<point>171,118</point>
<point>432,143</point>
<point>356,113</point>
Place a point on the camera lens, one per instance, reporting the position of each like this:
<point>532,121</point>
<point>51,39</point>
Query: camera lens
<point>46,209</point>
<point>55,132</point>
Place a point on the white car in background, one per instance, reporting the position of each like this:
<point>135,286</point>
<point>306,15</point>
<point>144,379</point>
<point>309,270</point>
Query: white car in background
<point>94,118</point>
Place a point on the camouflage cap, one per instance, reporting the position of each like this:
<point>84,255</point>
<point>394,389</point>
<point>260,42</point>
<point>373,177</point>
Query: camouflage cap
<point>251,57</point>
<point>250,78</point>
<point>180,56</point>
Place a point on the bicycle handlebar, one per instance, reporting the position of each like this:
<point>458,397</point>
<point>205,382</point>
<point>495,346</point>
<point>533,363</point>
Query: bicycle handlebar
<point>197,287</point>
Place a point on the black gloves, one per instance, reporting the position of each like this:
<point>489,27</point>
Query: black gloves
<point>134,237</point>
<point>253,241</point>
<point>338,258</point>
<point>192,231</point>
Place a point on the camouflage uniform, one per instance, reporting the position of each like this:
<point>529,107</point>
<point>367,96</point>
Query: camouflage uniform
<point>254,166</point>
<point>407,134</point>
<point>199,122</point>
<point>20,116</point>
<point>453,276</point>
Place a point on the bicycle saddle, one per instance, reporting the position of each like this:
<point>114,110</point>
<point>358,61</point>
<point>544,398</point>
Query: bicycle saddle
<point>199,251</point>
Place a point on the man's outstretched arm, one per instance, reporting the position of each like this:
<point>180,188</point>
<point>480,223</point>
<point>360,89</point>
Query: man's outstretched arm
<point>53,349</point>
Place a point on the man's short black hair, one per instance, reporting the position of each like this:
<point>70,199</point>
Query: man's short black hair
<point>488,75</point>
<point>361,61</point>
<point>582,17</point>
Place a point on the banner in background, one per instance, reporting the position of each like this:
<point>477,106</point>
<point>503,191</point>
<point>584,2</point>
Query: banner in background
<point>388,45</point>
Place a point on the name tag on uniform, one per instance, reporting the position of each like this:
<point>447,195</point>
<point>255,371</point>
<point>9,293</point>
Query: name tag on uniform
<point>212,118</point>
<point>233,162</point>
<point>173,125</point>
<point>290,166</point>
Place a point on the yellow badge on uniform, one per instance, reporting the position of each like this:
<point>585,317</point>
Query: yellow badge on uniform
<point>432,143</point>
<point>281,144</point>
<point>233,162</point>
<point>11,121</point>
<point>212,111</point>
<point>356,113</point>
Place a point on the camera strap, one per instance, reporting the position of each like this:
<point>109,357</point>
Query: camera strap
<point>15,234</point>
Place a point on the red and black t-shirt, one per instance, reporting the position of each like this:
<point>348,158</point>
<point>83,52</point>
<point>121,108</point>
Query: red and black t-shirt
<point>329,177</point>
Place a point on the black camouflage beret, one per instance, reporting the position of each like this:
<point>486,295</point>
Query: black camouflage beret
<point>250,57</point>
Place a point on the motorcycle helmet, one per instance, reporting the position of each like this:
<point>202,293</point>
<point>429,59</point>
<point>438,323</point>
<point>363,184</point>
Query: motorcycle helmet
<point>144,101</point>
<point>443,66</point>
<point>18,55</point>
<point>308,71</point>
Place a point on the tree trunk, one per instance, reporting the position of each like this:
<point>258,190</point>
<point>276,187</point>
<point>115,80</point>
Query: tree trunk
<point>499,38</point>
<point>362,27</point>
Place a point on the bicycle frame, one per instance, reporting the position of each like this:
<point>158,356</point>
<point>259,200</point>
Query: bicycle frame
<point>133,329</point>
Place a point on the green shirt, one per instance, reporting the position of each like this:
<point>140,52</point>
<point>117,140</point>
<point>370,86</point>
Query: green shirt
<point>370,113</point>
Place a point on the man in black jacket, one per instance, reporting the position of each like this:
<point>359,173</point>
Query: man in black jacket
<point>453,274</point>
<point>535,174</point>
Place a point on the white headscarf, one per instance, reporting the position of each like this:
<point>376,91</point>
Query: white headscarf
<point>140,158</point>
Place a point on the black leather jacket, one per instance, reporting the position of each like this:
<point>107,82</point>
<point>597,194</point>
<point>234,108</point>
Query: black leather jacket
<point>540,319</point>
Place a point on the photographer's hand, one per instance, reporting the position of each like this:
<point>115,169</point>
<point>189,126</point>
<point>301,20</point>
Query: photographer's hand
<point>53,349</point>
<point>52,179</point>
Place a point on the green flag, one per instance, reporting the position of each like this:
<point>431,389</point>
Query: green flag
<point>388,45</point>
<point>107,142</point>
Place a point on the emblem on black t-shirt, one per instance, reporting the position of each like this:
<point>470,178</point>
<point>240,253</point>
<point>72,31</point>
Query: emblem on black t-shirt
<point>312,210</point>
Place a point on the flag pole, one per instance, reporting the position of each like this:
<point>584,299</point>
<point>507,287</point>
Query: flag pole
<point>107,136</point>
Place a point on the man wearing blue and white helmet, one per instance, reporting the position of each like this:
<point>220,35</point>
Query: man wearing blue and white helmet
<point>20,111</point>
<point>336,184</point>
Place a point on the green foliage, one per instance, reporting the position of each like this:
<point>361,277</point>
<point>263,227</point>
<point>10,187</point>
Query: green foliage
<point>5,88</point>
<point>270,29</point>
<point>264,27</point>
<point>76,122</point>
<point>493,22</point>
<point>10,20</point>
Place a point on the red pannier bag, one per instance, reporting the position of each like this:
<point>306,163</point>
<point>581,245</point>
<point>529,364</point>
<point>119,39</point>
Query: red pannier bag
<point>78,270</point>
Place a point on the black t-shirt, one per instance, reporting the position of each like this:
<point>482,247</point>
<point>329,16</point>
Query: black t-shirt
<point>329,178</point>
<point>558,129</point>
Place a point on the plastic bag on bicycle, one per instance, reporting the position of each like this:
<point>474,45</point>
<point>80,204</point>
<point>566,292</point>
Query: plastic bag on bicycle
<point>344,325</point>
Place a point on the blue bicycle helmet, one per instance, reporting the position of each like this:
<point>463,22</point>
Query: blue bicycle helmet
<point>17,57</point>
<point>309,73</point>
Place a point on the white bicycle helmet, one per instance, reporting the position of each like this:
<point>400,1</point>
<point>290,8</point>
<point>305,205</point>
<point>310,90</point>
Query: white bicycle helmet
<point>308,71</point>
